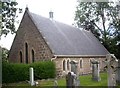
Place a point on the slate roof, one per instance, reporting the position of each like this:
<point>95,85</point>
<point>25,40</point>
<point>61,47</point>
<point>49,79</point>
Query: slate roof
<point>67,40</point>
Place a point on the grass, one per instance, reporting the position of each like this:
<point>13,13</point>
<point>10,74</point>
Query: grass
<point>84,81</point>
<point>87,81</point>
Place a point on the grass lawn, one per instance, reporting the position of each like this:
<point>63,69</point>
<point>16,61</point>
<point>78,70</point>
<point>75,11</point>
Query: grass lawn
<point>84,81</point>
<point>87,81</point>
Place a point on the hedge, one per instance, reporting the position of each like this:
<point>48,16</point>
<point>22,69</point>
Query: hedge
<point>12,72</point>
<point>44,70</point>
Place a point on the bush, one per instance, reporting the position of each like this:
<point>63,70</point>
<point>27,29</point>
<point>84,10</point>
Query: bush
<point>44,70</point>
<point>12,72</point>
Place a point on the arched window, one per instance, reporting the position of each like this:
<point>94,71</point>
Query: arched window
<point>26,52</point>
<point>20,57</point>
<point>80,63</point>
<point>68,65</point>
<point>64,65</point>
<point>90,63</point>
<point>33,56</point>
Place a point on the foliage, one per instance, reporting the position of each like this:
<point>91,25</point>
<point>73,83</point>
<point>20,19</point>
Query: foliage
<point>102,19</point>
<point>9,14</point>
<point>4,54</point>
<point>12,72</point>
<point>44,70</point>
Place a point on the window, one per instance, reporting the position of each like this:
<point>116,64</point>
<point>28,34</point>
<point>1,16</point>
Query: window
<point>90,63</point>
<point>64,65</point>
<point>33,56</point>
<point>20,57</point>
<point>80,63</point>
<point>68,65</point>
<point>26,52</point>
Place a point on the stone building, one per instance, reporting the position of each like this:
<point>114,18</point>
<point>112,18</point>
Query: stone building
<point>39,38</point>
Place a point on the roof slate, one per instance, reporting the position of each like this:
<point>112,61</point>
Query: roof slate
<point>67,40</point>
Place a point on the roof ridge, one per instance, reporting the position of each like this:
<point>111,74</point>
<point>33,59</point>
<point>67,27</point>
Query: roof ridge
<point>53,20</point>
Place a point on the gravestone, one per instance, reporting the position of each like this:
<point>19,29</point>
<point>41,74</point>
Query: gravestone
<point>0,67</point>
<point>111,65</point>
<point>72,79</point>
<point>95,70</point>
<point>32,83</point>
<point>74,66</point>
<point>118,73</point>
<point>55,83</point>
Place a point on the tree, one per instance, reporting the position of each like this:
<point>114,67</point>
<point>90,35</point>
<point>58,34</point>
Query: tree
<point>9,14</point>
<point>4,54</point>
<point>101,18</point>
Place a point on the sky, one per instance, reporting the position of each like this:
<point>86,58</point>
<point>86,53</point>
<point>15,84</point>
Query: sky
<point>64,11</point>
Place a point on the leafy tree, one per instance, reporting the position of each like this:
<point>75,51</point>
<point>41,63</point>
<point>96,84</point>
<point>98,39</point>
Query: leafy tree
<point>9,14</point>
<point>101,18</point>
<point>4,54</point>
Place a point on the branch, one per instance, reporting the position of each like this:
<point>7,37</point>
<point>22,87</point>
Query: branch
<point>108,27</point>
<point>103,23</point>
<point>98,27</point>
<point>95,25</point>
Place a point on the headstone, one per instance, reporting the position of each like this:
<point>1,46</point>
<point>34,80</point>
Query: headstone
<point>76,81</point>
<point>69,80</point>
<point>72,79</point>
<point>55,83</point>
<point>111,65</point>
<point>32,83</point>
<point>95,70</point>
<point>74,66</point>
<point>0,66</point>
<point>118,73</point>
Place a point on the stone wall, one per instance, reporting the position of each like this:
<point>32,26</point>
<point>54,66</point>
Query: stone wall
<point>86,65</point>
<point>30,35</point>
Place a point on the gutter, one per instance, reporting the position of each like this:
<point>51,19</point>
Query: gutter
<point>80,56</point>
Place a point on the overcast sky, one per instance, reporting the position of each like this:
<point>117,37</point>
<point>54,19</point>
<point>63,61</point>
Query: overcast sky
<point>64,11</point>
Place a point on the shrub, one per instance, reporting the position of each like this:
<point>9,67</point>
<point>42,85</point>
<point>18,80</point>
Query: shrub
<point>12,72</point>
<point>44,70</point>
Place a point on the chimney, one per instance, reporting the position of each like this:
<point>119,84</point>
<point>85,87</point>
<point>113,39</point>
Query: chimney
<point>51,15</point>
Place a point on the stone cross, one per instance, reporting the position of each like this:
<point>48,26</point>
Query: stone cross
<point>95,70</point>
<point>32,83</point>
<point>111,65</point>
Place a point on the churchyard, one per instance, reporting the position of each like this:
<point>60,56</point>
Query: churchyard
<point>73,79</point>
<point>45,54</point>
<point>85,80</point>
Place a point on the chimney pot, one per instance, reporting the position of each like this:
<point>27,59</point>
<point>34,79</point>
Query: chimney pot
<point>51,15</point>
